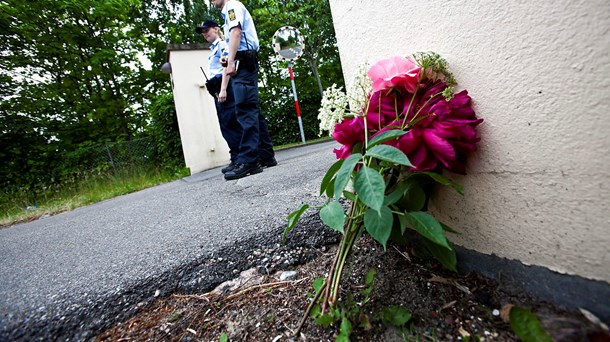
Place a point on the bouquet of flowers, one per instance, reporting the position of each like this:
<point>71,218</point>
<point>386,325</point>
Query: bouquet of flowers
<point>395,145</point>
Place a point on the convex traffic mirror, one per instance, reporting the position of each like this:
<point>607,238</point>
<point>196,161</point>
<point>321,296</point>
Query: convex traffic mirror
<point>288,43</point>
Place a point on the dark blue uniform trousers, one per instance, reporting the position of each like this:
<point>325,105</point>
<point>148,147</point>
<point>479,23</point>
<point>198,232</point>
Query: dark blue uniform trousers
<point>229,127</point>
<point>255,144</point>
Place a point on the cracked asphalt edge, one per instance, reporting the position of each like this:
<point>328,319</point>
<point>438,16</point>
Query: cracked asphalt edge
<point>82,321</point>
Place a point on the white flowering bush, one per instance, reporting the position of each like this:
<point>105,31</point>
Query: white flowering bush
<point>361,88</point>
<point>336,104</point>
<point>332,108</point>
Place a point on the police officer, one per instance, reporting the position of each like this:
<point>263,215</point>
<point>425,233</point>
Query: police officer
<point>219,87</point>
<point>256,148</point>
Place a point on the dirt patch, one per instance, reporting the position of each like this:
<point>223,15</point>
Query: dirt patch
<point>444,306</point>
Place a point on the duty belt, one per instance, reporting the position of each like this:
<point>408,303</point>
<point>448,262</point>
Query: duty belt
<point>246,54</point>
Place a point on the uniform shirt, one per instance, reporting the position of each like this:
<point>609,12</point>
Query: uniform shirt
<point>219,49</point>
<point>235,14</point>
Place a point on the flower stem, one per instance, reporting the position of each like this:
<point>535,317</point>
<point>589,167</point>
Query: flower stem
<point>413,121</point>
<point>327,289</point>
<point>410,104</point>
<point>395,108</point>
<point>344,250</point>
<point>353,230</point>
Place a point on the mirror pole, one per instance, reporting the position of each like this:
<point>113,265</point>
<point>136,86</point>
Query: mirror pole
<point>296,101</point>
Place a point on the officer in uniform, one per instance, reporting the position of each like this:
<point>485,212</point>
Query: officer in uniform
<point>256,148</point>
<point>220,88</point>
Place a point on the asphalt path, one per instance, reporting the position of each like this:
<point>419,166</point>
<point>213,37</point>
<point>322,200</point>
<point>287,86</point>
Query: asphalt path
<point>58,272</point>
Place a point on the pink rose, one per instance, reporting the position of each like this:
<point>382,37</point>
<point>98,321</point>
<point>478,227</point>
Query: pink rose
<point>395,72</point>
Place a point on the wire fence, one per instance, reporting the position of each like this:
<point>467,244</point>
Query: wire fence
<point>77,166</point>
<point>112,155</point>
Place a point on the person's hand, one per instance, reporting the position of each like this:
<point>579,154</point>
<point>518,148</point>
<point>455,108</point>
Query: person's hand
<point>230,70</point>
<point>222,96</point>
<point>223,62</point>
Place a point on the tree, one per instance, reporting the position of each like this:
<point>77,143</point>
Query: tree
<point>73,68</point>
<point>73,75</point>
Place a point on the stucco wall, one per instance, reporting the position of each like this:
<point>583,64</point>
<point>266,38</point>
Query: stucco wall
<point>202,142</point>
<point>539,73</point>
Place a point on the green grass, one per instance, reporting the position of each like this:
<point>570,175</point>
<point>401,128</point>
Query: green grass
<point>310,141</point>
<point>79,193</point>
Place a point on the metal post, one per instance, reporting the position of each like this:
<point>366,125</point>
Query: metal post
<point>110,157</point>
<point>296,102</point>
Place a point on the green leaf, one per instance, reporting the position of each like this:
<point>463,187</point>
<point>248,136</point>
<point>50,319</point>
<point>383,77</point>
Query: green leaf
<point>318,284</point>
<point>378,224</point>
<point>345,172</point>
<point>293,218</point>
<point>346,328</point>
<point>369,281</point>
<point>316,310</point>
<point>395,315</point>
<point>349,195</point>
<point>223,337</point>
<point>332,215</point>
<point>402,220</point>
<point>326,320</point>
<point>396,193</point>
<point>427,226</point>
<point>527,326</point>
<point>389,153</point>
<point>385,136</point>
<point>329,176</point>
<point>449,229</point>
<point>330,188</point>
<point>414,197</point>
<point>445,181</point>
<point>370,277</point>
<point>342,338</point>
<point>445,256</point>
<point>370,187</point>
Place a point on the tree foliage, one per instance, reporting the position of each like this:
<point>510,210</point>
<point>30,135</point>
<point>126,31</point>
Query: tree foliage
<point>164,129</point>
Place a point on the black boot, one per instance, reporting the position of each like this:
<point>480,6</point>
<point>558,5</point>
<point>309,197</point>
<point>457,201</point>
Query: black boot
<point>271,162</point>
<point>243,170</point>
<point>229,167</point>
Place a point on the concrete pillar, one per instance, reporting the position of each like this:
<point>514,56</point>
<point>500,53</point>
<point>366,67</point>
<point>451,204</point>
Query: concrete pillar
<point>202,143</point>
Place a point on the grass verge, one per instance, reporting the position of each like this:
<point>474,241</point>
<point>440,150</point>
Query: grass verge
<point>24,206</point>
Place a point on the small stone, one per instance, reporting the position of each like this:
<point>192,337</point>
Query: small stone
<point>157,293</point>
<point>496,312</point>
<point>288,275</point>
